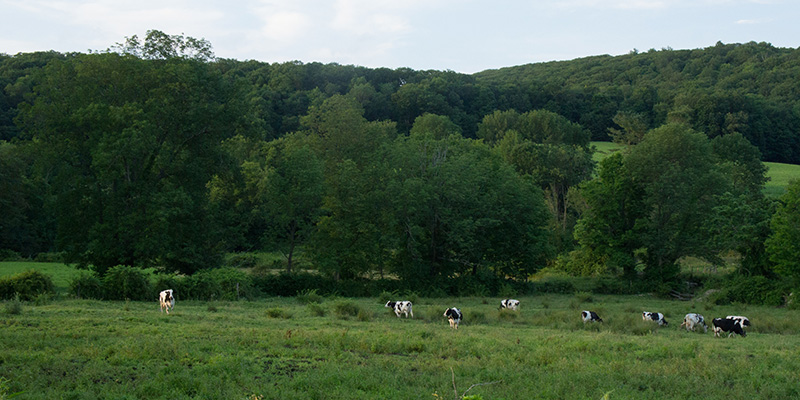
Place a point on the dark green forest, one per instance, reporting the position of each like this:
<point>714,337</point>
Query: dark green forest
<point>154,153</point>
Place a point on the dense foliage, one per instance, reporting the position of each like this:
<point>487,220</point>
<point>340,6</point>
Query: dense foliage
<point>156,154</point>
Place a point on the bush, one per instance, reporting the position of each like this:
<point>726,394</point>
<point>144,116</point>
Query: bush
<point>316,309</point>
<point>346,309</point>
<point>14,306</point>
<point>242,260</point>
<point>756,290</point>
<point>28,285</point>
<point>555,286</point>
<point>86,286</point>
<point>220,284</point>
<point>50,257</point>
<point>309,296</point>
<point>124,282</point>
<point>9,255</point>
<point>277,312</point>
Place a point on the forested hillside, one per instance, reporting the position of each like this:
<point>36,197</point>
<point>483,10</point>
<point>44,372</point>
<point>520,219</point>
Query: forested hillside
<point>155,153</point>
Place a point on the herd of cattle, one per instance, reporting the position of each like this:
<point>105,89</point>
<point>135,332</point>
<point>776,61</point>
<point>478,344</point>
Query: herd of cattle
<point>732,324</point>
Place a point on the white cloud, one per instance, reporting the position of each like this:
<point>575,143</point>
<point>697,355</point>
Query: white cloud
<point>285,26</point>
<point>363,17</point>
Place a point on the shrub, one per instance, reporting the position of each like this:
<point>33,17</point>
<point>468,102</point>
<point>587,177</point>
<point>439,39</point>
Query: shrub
<point>125,282</point>
<point>86,286</point>
<point>277,312</point>
<point>316,309</point>
<point>28,285</point>
<point>242,260</point>
<point>556,286</point>
<point>50,257</point>
<point>346,309</point>
<point>9,255</point>
<point>507,291</point>
<point>14,306</point>
<point>309,296</point>
<point>220,283</point>
<point>749,290</point>
<point>387,296</point>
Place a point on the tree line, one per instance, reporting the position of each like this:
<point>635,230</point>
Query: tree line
<point>155,153</point>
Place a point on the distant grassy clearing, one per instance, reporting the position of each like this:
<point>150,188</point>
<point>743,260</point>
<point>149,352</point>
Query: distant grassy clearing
<point>779,174</point>
<point>61,274</point>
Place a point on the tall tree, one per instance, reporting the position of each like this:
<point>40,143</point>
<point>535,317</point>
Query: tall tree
<point>289,191</point>
<point>676,167</point>
<point>130,145</point>
<point>783,245</point>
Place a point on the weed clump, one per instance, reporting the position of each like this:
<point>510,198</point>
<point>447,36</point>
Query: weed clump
<point>14,306</point>
<point>308,296</point>
<point>346,309</point>
<point>316,309</point>
<point>277,312</point>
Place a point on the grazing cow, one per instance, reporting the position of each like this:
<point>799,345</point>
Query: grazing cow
<point>454,316</point>
<point>510,304</point>
<point>727,325</point>
<point>590,316</point>
<point>655,316</point>
<point>167,300</point>
<point>691,320</point>
<point>743,321</point>
<point>400,307</point>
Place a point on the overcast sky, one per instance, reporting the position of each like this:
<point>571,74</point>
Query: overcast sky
<point>460,35</point>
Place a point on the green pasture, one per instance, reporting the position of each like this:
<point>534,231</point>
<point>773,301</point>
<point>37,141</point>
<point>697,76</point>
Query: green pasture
<point>342,348</point>
<point>61,274</point>
<point>779,174</point>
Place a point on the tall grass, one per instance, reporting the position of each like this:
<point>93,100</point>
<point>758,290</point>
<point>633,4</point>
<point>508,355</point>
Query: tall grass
<point>279,348</point>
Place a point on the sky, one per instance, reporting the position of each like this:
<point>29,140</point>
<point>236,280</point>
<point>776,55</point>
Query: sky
<point>465,36</point>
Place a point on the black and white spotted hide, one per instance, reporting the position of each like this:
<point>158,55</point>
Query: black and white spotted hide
<point>166,300</point>
<point>510,304</point>
<point>729,326</point>
<point>743,321</point>
<point>590,316</point>
<point>454,316</point>
<point>656,317</point>
<point>691,320</point>
<point>401,307</point>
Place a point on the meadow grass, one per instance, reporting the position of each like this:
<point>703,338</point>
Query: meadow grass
<point>279,348</point>
<point>61,274</point>
<point>780,175</point>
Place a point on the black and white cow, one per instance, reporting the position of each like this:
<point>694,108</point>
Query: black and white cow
<point>656,317</point>
<point>167,300</point>
<point>454,316</point>
<point>510,304</point>
<point>400,307</point>
<point>590,316</point>
<point>691,320</point>
<point>727,325</point>
<point>743,321</point>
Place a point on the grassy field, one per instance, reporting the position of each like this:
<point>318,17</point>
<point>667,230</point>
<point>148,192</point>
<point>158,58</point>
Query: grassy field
<point>343,348</point>
<point>62,274</point>
<point>779,174</point>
